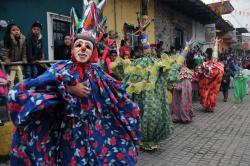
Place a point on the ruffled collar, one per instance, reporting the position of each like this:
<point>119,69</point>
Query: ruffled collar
<point>186,73</point>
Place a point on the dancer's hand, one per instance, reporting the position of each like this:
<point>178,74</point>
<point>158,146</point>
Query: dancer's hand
<point>80,90</point>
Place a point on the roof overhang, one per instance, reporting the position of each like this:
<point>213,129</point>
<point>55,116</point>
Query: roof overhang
<point>200,12</point>
<point>224,26</point>
<point>195,9</point>
<point>242,30</point>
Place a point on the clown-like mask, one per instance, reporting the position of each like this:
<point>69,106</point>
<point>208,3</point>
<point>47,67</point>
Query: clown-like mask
<point>82,50</point>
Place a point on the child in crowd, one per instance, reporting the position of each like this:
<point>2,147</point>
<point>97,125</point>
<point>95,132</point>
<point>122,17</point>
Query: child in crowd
<point>102,44</point>
<point>15,46</point>
<point>110,46</point>
<point>124,50</point>
<point>34,50</point>
<point>112,34</point>
<point>137,52</point>
<point>64,51</point>
<point>110,58</point>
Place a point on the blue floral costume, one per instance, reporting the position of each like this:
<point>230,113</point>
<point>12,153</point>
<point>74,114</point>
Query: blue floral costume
<point>55,128</point>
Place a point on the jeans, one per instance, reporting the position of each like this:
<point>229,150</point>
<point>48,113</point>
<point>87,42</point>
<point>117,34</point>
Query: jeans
<point>30,71</point>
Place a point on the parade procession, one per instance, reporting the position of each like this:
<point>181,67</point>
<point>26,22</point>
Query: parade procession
<point>125,83</point>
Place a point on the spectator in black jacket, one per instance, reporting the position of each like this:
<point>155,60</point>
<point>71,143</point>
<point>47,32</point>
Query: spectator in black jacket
<point>64,51</point>
<point>34,50</point>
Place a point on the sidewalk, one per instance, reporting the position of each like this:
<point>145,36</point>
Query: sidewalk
<point>212,139</point>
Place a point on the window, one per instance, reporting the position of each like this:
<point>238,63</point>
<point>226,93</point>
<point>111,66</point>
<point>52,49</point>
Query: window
<point>129,31</point>
<point>60,29</point>
<point>58,26</point>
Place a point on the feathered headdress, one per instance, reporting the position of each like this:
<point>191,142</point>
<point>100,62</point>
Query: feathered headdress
<point>143,24</point>
<point>215,50</point>
<point>180,58</point>
<point>92,21</point>
<point>89,27</point>
<point>187,48</point>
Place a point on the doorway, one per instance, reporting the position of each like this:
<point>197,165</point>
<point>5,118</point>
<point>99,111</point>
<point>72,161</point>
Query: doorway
<point>178,38</point>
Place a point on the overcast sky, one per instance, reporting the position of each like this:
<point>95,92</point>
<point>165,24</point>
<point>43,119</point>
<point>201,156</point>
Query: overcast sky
<point>241,16</point>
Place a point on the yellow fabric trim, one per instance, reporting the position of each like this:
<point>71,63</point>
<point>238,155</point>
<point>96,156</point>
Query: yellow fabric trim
<point>170,97</point>
<point>120,60</point>
<point>138,87</point>
<point>152,70</point>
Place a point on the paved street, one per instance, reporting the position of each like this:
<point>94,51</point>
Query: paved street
<point>212,139</point>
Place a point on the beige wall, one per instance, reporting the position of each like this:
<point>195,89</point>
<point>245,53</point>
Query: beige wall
<point>125,11</point>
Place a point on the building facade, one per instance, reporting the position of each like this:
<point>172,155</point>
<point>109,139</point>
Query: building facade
<point>174,28</point>
<point>174,22</point>
<point>120,12</point>
<point>53,15</point>
<point>180,21</point>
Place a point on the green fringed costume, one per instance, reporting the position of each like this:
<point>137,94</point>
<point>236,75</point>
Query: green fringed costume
<point>240,86</point>
<point>148,80</point>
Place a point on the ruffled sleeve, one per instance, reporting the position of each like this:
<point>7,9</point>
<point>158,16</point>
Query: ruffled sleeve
<point>43,93</point>
<point>143,74</point>
<point>109,96</point>
<point>171,71</point>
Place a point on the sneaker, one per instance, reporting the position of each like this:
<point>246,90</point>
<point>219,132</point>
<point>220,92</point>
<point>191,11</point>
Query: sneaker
<point>1,123</point>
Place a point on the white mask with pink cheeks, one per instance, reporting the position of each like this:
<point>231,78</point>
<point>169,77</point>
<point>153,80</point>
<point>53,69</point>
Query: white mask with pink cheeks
<point>82,50</point>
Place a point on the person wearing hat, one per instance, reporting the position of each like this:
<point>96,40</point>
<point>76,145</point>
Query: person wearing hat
<point>75,113</point>
<point>210,75</point>
<point>34,49</point>
<point>149,79</point>
<point>240,85</point>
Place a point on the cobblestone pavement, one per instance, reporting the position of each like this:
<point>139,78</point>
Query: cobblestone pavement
<point>212,139</point>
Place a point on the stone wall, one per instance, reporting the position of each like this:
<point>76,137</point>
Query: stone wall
<point>198,32</point>
<point>167,19</point>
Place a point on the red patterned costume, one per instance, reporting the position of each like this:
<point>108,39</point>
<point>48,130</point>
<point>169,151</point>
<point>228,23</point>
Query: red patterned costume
<point>210,75</point>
